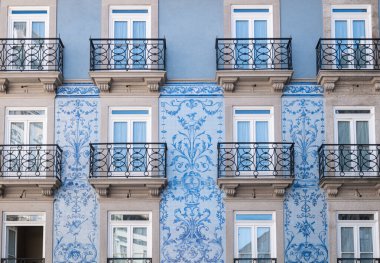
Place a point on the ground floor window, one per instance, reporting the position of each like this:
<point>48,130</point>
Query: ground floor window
<point>130,235</point>
<point>255,237</point>
<point>23,238</point>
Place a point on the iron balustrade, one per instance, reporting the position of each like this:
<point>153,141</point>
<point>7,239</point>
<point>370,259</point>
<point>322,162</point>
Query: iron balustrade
<point>255,260</point>
<point>31,54</point>
<point>253,53</point>
<point>22,260</point>
<point>358,260</point>
<point>360,160</point>
<point>128,159</point>
<point>127,54</point>
<point>129,260</point>
<point>31,161</point>
<point>255,159</point>
<point>348,54</point>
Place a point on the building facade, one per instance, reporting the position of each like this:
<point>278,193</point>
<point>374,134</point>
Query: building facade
<point>174,131</point>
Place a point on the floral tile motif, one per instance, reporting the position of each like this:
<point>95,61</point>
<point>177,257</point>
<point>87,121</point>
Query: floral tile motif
<point>76,208</point>
<point>305,207</point>
<point>192,212</point>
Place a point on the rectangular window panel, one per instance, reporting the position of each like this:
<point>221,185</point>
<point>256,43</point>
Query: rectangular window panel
<point>130,112</point>
<point>243,131</point>
<point>120,132</point>
<point>139,131</point>
<point>140,242</point>
<point>349,10</point>
<point>26,112</point>
<point>244,242</point>
<point>19,30</point>
<point>29,12</point>
<point>11,243</point>
<point>341,29</point>
<point>24,218</point>
<point>356,217</point>
<point>362,132</point>
<point>251,10</point>
<point>120,29</point>
<point>17,133</point>
<point>353,111</point>
<point>260,112</point>
<point>132,11</point>
<point>120,242</point>
<point>38,29</point>
<point>243,217</point>
<point>347,242</point>
<point>130,217</point>
<point>366,242</point>
<point>263,242</point>
<point>344,136</point>
<point>36,135</point>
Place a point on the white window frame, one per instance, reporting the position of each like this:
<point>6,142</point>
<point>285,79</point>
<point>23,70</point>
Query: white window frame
<point>23,223</point>
<point>254,224</point>
<point>253,118</point>
<point>130,18</point>
<point>251,17</point>
<point>356,224</point>
<point>352,118</point>
<point>26,119</point>
<point>130,118</point>
<point>129,224</point>
<point>28,18</point>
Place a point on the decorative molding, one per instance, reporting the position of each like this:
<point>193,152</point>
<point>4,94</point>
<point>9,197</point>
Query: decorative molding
<point>154,190</point>
<point>4,85</point>
<point>228,84</point>
<point>278,83</point>
<point>329,84</point>
<point>230,190</point>
<point>104,84</point>
<point>191,89</point>
<point>376,84</point>
<point>50,84</point>
<point>102,190</point>
<point>153,84</point>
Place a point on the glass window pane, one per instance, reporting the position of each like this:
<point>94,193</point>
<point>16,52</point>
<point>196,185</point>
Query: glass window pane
<point>36,135</point>
<point>242,29</point>
<point>19,29</point>
<point>139,29</point>
<point>25,218</point>
<point>244,242</point>
<point>243,131</point>
<point>344,132</point>
<point>130,217</point>
<point>263,242</point>
<point>262,131</point>
<point>17,133</point>
<point>120,132</point>
<point>356,217</point>
<point>121,29</point>
<point>260,27</point>
<point>140,242</point>
<point>366,242</point>
<point>26,112</point>
<point>362,132</point>
<point>11,243</point>
<point>139,131</point>
<point>358,29</point>
<point>120,242</point>
<point>341,29</point>
<point>240,217</point>
<point>38,29</point>
<point>347,239</point>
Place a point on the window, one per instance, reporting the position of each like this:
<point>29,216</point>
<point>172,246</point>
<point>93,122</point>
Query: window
<point>255,236</point>
<point>357,236</point>
<point>130,235</point>
<point>26,126</point>
<point>28,22</point>
<point>23,236</point>
<point>253,128</point>
<point>351,22</point>
<point>252,22</point>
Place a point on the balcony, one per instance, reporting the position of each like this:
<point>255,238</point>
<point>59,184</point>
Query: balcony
<point>22,260</point>
<point>247,167</point>
<point>358,260</point>
<point>129,260</point>
<point>27,169</point>
<point>255,260</point>
<point>349,167</point>
<point>138,169</point>
<point>138,64</point>
<point>30,63</point>
<point>258,62</point>
<point>352,60</point>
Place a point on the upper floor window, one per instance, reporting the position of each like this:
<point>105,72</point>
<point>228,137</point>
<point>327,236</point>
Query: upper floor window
<point>130,22</point>
<point>26,126</point>
<point>357,236</point>
<point>130,125</point>
<point>253,124</point>
<point>255,236</point>
<point>354,125</point>
<point>351,21</point>
<point>130,235</point>
<point>28,22</point>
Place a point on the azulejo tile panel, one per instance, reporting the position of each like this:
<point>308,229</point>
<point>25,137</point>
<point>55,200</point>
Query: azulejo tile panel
<point>305,207</point>
<point>192,212</point>
<point>76,208</point>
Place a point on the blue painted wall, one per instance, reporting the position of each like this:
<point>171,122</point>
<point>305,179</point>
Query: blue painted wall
<point>76,22</point>
<point>190,29</point>
<point>303,21</point>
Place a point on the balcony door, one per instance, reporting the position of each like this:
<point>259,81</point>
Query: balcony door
<point>252,22</point>
<point>132,24</point>
<point>31,25</point>
<point>350,26</point>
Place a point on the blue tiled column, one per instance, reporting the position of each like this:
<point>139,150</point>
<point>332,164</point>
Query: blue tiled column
<point>192,213</point>
<point>76,208</point>
<point>305,207</point>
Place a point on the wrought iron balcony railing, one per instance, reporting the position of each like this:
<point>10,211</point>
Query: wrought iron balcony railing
<point>348,54</point>
<point>127,54</point>
<point>255,260</point>
<point>253,53</point>
<point>358,260</point>
<point>30,161</point>
<point>129,260</point>
<point>127,160</point>
<point>22,260</point>
<point>358,160</point>
<point>255,159</point>
<point>31,54</point>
